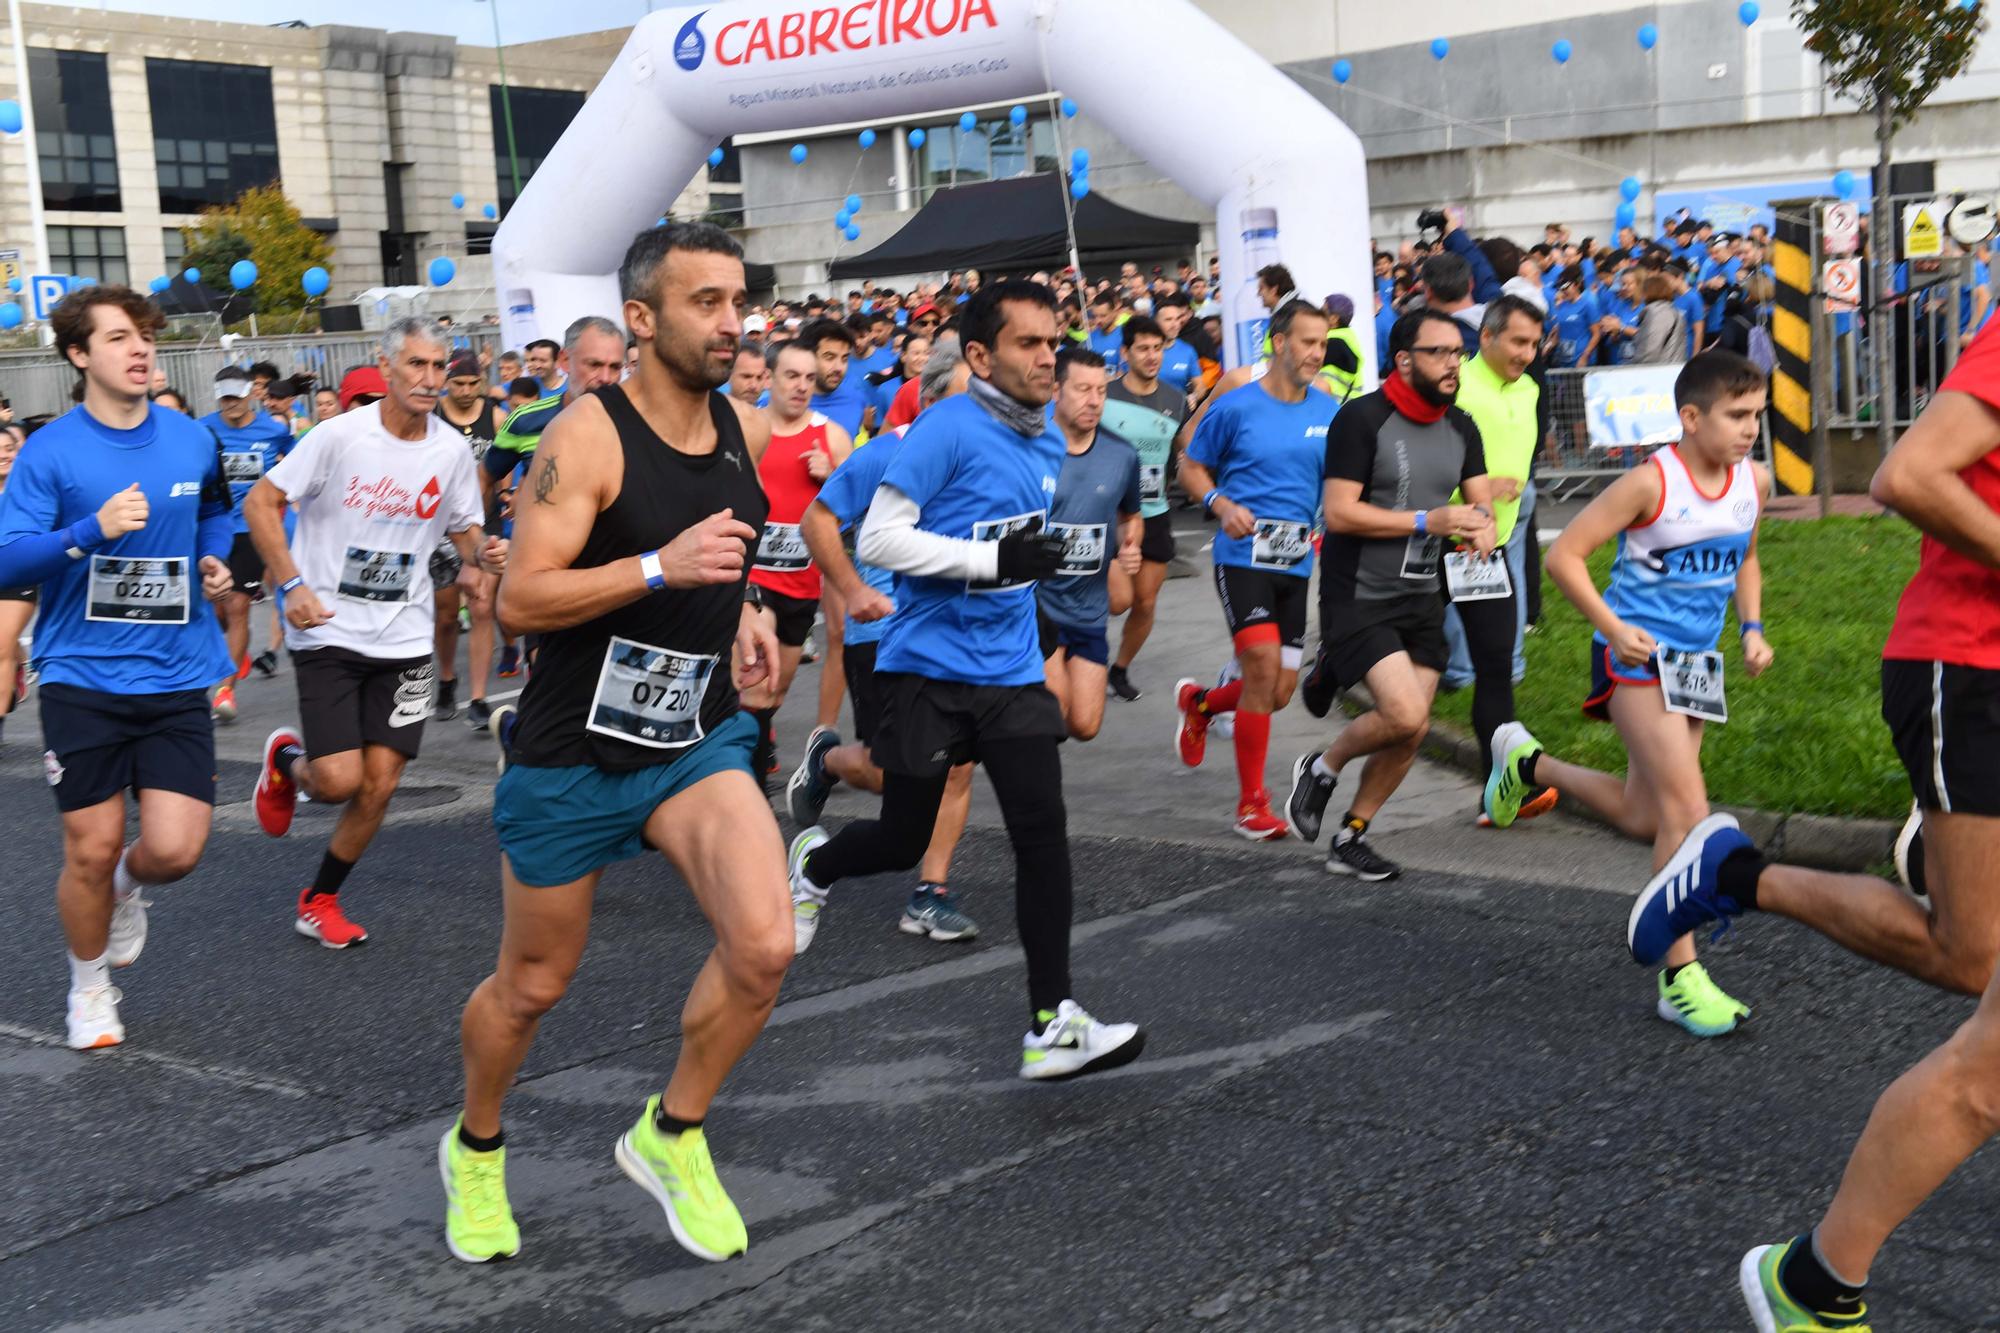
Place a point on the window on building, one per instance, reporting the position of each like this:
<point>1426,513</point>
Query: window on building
<point>177,247</point>
<point>540,117</point>
<point>990,150</point>
<point>215,134</point>
<point>729,171</point>
<point>79,156</point>
<point>89,252</point>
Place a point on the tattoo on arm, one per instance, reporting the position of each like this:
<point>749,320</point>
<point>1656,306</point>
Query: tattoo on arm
<point>545,480</point>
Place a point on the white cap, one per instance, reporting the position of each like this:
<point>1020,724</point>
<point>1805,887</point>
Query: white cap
<point>755,324</point>
<point>233,382</point>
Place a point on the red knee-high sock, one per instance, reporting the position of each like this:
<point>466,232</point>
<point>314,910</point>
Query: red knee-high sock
<point>1253,743</point>
<point>1222,699</point>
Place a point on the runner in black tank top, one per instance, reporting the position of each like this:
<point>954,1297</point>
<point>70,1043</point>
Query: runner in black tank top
<point>466,409</point>
<point>634,529</point>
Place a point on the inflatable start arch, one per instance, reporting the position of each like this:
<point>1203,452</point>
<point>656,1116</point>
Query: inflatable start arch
<point>1246,139</point>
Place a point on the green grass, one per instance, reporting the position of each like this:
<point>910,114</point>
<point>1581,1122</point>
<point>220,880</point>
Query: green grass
<point>1807,736</point>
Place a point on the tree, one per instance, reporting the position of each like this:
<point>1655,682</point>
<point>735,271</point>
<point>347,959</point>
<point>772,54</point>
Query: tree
<point>264,227</point>
<point>1889,56</point>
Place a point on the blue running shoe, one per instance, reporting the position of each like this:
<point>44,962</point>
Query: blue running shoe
<point>1683,897</point>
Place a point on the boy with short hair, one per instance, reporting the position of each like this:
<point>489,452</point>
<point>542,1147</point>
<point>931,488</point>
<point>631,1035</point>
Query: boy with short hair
<point>1686,527</point>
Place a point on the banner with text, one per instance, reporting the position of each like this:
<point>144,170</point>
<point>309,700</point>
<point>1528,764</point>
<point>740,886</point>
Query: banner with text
<point>1631,405</point>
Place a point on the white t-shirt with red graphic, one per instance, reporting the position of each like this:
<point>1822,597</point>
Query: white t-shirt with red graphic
<point>371,510</point>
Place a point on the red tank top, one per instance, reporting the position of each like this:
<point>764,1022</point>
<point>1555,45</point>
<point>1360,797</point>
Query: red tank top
<point>783,564</point>
<point>1950,611</point>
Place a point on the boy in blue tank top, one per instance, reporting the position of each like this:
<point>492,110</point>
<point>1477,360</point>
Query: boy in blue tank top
<point>1686,526</point>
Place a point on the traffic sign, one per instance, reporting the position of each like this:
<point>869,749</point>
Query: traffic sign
<point>45,290</point>
<point>10,266</point>
<point>1840,281</point>
<point>1923,234</point>
<point>1840,228</point>
<point>1971,221</point>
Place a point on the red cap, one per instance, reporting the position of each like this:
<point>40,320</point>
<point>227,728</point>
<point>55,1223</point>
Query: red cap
<point>358,381</point>
<point>927,308</point>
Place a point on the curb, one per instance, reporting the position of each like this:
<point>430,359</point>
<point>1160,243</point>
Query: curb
<point>1824,842</point>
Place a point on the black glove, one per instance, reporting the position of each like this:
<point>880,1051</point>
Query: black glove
<point>1028,553</point>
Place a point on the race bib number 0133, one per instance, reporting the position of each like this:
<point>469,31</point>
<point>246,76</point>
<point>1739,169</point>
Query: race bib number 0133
<point>1691,684</point>
<point>1083,547</point>
<point>650,696</point>
<point>152,592</point>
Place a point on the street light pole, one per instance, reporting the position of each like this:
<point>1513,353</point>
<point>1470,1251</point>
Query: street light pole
<point>506,98</point>
<point>32,165</point>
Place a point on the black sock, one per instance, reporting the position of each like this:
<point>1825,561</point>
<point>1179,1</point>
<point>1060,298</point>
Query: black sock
<point>1737,876</point>
<point>477,1144</point>
<point>1528,767</point>
<point>332,874</point>
<point>1811,1285</point>
<point>1672,972</point>
<point>669,1125</point>
<point>287,756</point>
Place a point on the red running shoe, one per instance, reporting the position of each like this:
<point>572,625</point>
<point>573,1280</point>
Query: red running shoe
<point>277,795</point>
<point>1255,821</point>
<point>321,919</point>
<point>1191,724</point>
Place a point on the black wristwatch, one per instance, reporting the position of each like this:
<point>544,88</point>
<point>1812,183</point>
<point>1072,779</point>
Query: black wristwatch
<point>753,595</point>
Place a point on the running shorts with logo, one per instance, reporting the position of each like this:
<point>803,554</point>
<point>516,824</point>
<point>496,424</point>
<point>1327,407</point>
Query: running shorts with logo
<point>347,701</point>
<point>864,687</point>
<point>930,725</point>
<point>27,594</point>
<point>1945,722</point>
<point>101,744</point>
<point>1357,634</point>
<point>794,615</point>
<point>246,567</point>
<point>1260,597</point>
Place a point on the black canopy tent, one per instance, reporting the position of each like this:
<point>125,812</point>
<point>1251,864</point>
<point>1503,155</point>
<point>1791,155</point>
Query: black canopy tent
<point>1014,226</point>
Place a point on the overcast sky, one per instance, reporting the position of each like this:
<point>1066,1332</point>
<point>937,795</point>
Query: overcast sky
<point>470,21</point>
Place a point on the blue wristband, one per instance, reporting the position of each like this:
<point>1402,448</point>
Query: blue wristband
<point>1749,625</point>
<point>1208,501</point>
<point>295,581</point>
<point>1423,523</point>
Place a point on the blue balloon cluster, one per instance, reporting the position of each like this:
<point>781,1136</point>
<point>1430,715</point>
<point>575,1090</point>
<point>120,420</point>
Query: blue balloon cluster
<point>1627,214</point>
<point>867,139</point>
<point>443,270</point>
<point>315,281</point>
<point>1628,189</point>
<point>1079,186</point>
<point>798,152</point>
<point>10,315</point>
<point>852,232</point>
<point>853,202</point>
<point>841,219</point>
<point>1562,51</point>
<point>242,274</point>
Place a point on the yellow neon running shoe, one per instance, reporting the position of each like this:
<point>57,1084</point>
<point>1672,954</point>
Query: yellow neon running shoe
<point>680,1175</point>
<point>1771,1306</point>
<point>478,1224</point>
<point>1693,1001</point>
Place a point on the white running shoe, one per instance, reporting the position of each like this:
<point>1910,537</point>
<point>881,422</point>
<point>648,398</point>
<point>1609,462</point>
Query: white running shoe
<point>808,900</point>
<point>93,1018</point>
<point>1073,1044</point>
<point>128,928</point>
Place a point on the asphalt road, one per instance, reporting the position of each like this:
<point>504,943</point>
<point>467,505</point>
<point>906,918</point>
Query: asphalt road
<point>1440,1103</point>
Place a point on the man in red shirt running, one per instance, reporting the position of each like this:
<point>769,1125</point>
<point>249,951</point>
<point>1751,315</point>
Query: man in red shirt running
<point>805,449</point>
<point>1941,699</point>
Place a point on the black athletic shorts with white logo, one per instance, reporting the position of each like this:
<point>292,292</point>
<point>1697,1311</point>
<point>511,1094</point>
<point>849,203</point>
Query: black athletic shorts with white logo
<point>930,725</point>
<point>864,688</point>
<point>101,744</point>
<point>246,567</point>
<point>1945,722</point>
<point>1260,597</point>
<point>347,701</point>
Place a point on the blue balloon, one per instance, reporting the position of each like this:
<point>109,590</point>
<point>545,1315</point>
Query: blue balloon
<point>1562,51</point>
<point>798,152</point>
<point>158,284</point>
<point>1079,187</point>
<point>968,122</point>
<point>841,219</point>
<point>1080,159</point>
<point>853,203</point>
<point>458,201</point>
<point>1649,36</point>
<point>191,274</point>
<point>1343,70</point>
<point>715,157</point>
<point>1843,183</point>
<point>10,315</point>
<point>853,233</point>
<point>442,270</point>
<point>1747,12</point>
<point>1440,48</point>
<point>1068,109</point>
<point>491,212</point>
<point>10,121</point>
<point>917,138</point>
<point>315,280</point>
<point>1018,114</point>
<point>1627,214</point>
<point>867,138</point>
<point>242,274</point>
<point>1628,189</point>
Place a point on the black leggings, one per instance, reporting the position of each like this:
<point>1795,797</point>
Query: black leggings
<point>1027,777</point>
<point>1489,641</point>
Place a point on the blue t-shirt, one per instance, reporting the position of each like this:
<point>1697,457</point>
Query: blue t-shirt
<point>1981,277</point>
<point>882,396</point>
<point>1110,346</point>
<point>848,493</point>
<point>1385,319</point>
<point>1627,313</point>
<point>1269,457</point>
<point>844,406</point>
<point>1571,321</point>
<point>1717,300</point>
<point>156,633</point>
<point>1690,304</point>
<point>1180,365</point>
<point>974,479</point>
<point>882,358</point>
<point>1095,487</point>
<point>248,452</point>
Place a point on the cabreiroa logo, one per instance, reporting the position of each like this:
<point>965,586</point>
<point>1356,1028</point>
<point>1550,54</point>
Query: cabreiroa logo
<point>863,25</point>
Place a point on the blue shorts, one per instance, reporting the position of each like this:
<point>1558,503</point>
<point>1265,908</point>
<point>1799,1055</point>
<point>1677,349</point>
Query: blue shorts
<point>557,825</point>
<point>1607,673</point>
<point>1088,642</point>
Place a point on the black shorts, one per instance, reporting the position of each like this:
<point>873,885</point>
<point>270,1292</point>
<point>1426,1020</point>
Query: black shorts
<point>1157,542</point>
<point>1355,635</point>
<point>864,687</point>
<point>930,725</point>
<point>1945,722</point>
<point>1260,597</point>
<point>347,701</point>
<point>27,594</point>
<point>795,617</point>
<point>101,744</point>
<point>246,567</point>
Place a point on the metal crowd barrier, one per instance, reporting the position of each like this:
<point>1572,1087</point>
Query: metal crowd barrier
<point>1583,451</point>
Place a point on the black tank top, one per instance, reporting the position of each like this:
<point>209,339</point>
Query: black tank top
<point>640,685</point>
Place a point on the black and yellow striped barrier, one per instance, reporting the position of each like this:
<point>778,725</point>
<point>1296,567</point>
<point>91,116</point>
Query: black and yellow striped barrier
<point>1791,329</point>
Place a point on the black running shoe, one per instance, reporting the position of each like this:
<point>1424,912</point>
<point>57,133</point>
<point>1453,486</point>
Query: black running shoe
<point>446,707</point>
<point>477,714</point>
<point>1122,686</point>
<point>806,793</point>
<point>1306,806</point>
<point>1317,687</point>
<point>266,663</point>
<point>1351,855</point>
